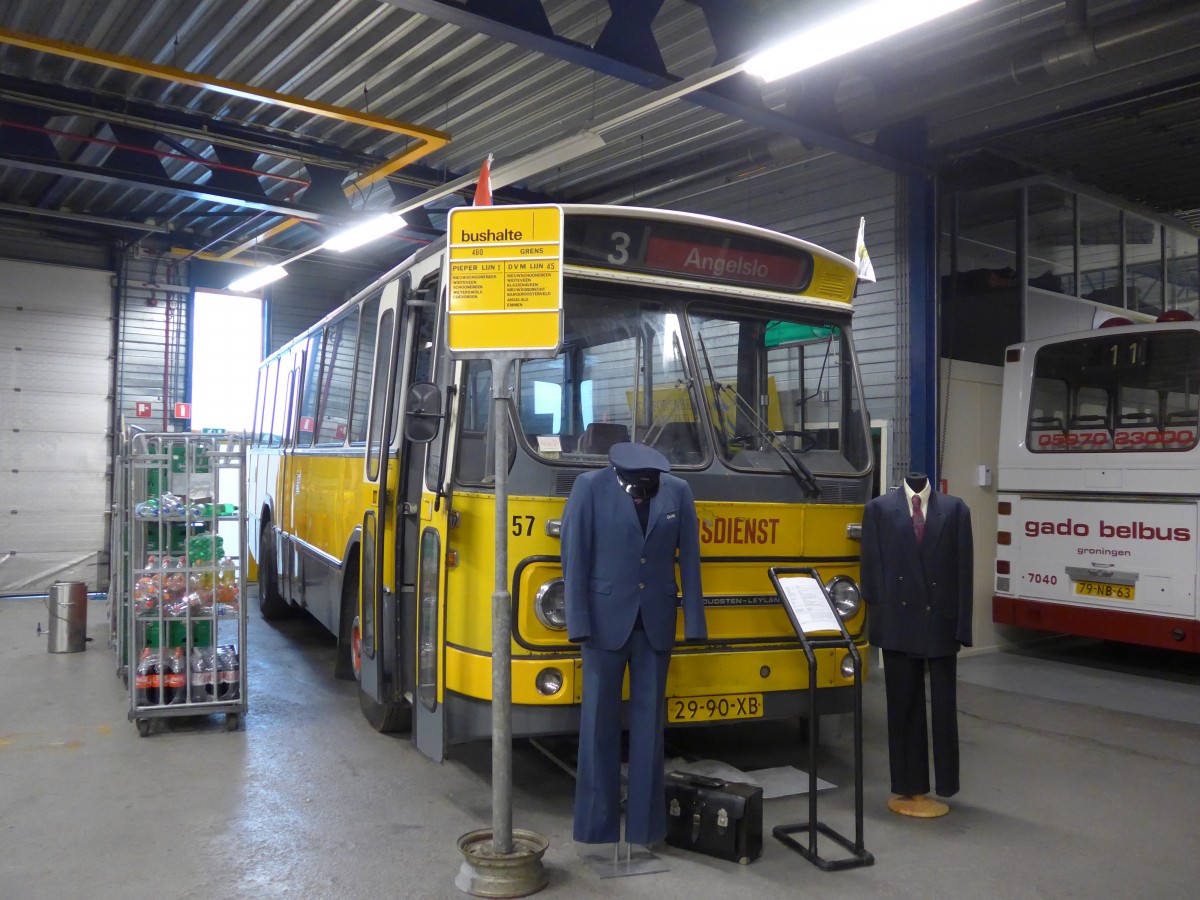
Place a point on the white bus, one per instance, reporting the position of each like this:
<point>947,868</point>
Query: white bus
<point>1099,485</point>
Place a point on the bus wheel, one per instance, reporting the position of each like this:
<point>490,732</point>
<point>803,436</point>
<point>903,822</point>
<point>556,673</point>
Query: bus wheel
<point>347,664</point>
<point>270,602</point>
<point>386,718</point>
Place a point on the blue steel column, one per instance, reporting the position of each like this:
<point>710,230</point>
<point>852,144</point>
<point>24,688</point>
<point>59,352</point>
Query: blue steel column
<point>923,324</point>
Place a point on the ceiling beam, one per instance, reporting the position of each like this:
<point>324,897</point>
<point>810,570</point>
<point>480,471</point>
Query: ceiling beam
<point>519,23</point>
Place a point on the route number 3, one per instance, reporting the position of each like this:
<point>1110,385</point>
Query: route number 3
<point>522,526</point>
<point>620,254</point>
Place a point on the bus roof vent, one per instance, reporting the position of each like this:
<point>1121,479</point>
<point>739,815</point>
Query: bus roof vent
<point>834,284</point>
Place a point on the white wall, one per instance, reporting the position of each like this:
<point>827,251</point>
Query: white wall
<point>970,404</point>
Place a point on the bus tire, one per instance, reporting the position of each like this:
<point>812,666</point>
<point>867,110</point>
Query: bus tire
<point>386,717</point>
<point>343,666</point>
<point>271,604</point>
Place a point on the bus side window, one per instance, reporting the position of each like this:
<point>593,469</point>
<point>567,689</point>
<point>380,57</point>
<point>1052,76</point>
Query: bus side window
<point>268,404</point>
<point>283,389</point>
<point>337,380</point>
<point>360,404</point>
<point>310,390</point>
<point>260,400</point>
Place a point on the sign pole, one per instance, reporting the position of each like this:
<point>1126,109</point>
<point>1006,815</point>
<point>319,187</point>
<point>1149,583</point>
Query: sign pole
<point>503,303</point>
<point>501,624</point>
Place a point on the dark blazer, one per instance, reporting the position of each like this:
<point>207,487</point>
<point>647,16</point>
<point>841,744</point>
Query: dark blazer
<point>920,599</point>
<point>612,571</point>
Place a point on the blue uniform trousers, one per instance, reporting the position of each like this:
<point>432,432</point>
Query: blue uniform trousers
<point>908,743</point>
<point>598,781</point>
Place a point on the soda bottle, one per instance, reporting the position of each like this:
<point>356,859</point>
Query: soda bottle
<point>204,676</point>
<point>228,673</point>
<point>175,678</point>
<point>175,583</point>
<point>148,678</point>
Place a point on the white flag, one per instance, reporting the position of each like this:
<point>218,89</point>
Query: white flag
<point>862,259</point>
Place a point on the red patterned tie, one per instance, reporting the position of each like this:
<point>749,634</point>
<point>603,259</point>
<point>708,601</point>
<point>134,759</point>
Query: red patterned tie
<point>918,520</point>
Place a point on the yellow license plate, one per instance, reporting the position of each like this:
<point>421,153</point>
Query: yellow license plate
<point>714,707</point>
<point>1109,591</point>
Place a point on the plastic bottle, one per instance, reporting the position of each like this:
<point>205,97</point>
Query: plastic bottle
<point>175,676</point>
<point>148,678</point>
<point>228,673</point>
<point>206,548</point>
<point>175,583</point>
<point>203,675</point>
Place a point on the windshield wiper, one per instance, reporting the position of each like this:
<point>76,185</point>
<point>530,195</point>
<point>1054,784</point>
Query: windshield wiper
<point>712,378</point>
<point>803,475</point>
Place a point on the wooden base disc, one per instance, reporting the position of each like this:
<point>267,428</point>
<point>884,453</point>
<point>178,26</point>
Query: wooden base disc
<point>921,807</point>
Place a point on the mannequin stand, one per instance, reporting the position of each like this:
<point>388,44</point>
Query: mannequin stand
<point>920,806</point>
<point>626,859</point>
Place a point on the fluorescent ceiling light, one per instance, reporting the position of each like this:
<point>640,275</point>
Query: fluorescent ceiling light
<point>258,278</point>
<point>547,158</point>
<point>364,232</point>
<point>846,32</point>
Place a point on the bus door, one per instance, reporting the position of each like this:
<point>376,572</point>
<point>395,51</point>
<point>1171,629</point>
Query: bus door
<point>376,552</point>
<point>289,478</point>
<point>424,575</point>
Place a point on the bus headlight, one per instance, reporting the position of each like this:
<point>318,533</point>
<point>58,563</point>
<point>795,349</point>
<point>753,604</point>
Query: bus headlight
<point>549,682</point>
<point>847,666</point>
<point>427,620</point>
<point>550,604</point>
<point>844,592</point>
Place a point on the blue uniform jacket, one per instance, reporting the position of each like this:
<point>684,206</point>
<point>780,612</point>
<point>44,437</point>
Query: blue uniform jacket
<point>920,598</point>
<point>612,571</point>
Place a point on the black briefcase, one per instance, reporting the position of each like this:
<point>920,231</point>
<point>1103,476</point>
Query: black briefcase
<point>714,817</point>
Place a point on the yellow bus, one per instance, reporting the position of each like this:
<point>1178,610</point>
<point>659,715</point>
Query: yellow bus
<point>725,346</point>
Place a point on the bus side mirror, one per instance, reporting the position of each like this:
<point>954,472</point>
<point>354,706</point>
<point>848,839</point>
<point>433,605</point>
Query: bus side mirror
<point>423,415</point>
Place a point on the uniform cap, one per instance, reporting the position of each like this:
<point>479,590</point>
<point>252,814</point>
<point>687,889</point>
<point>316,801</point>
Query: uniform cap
<point>631,457</point>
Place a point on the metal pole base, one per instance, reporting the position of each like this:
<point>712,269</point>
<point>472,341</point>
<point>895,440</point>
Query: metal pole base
<point>859,856</point>
<point>486,873</point>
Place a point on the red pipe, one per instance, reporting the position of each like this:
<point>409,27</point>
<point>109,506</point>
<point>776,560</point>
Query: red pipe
<point>162,154</point>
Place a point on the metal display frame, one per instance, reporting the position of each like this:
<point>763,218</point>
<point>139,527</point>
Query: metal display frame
<point>825,640</point>
<point>177,494</point>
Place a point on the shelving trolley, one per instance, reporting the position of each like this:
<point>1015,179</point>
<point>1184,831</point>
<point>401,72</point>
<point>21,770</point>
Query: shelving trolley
<point>184,589</point>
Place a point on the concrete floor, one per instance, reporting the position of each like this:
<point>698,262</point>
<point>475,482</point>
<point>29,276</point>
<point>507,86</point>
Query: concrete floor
<point>1081,779</point>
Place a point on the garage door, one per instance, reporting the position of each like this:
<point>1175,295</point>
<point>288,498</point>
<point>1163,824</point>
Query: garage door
<point>55,389</point>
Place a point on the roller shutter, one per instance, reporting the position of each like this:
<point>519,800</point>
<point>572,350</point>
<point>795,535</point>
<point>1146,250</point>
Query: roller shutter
<point>55,401</point>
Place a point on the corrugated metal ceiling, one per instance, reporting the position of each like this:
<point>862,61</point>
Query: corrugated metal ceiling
<point>1107,91</point>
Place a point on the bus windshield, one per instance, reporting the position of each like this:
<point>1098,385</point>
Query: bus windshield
<point>775,383</point>
<point>780,393</point>
<point>1128,391</point>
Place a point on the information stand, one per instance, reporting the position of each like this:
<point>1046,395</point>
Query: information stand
<point>817,624</point>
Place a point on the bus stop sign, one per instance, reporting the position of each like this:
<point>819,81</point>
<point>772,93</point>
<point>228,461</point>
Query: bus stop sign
<point>504,281</point>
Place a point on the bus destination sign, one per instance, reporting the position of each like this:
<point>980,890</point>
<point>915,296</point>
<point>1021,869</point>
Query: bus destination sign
<point>504,280</point>
<point>671,248</point>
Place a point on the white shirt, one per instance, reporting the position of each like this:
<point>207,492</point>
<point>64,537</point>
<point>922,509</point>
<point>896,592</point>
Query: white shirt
<point>924,493</point>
